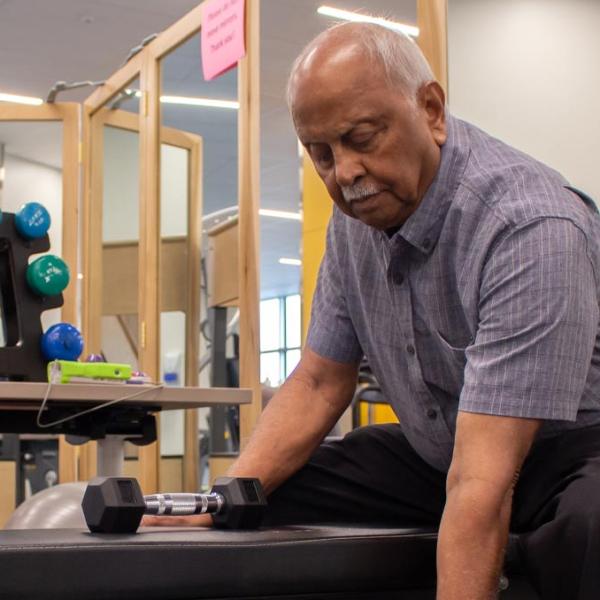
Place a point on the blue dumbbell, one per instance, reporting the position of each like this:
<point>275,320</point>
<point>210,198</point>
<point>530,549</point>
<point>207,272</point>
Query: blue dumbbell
<point>32,221</point>
<point>62,341</point>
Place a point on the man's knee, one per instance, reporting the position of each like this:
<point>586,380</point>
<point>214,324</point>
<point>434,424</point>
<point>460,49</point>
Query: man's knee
<point>368,434</point>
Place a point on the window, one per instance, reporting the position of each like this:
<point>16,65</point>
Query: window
<point>280,338</point>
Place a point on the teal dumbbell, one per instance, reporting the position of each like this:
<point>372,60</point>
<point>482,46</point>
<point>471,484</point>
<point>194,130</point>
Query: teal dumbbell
<point>32,221</point>
<point>48,275</point>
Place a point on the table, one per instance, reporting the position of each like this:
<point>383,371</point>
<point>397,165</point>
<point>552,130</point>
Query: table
<point>131,419</point>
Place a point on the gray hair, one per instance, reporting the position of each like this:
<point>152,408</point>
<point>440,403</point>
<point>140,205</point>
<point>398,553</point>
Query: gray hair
<point>403,62</point>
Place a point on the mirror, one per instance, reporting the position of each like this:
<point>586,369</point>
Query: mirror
<point>198,344</point>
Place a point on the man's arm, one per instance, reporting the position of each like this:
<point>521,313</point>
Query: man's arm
<point>295,421</point>
<point>488,454</point>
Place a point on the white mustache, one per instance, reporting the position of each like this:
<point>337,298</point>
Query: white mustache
<point>358,191</point>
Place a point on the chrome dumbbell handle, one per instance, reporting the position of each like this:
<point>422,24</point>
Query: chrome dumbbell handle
<point>183,504</point>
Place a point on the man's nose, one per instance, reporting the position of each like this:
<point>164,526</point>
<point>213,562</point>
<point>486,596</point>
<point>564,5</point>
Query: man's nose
<point>348,169</point>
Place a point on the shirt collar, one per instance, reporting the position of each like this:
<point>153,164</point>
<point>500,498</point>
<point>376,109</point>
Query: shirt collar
<point>422,229</point>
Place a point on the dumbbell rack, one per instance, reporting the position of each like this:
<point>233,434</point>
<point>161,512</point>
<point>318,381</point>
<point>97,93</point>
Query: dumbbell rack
<point>21,358</point>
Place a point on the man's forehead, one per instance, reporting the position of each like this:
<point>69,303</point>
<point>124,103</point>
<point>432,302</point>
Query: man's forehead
<point>337,91</point>
<point>336,67</point>
<point>333,55</point>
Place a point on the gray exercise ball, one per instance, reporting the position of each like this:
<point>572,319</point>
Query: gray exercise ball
<point>57,507</point>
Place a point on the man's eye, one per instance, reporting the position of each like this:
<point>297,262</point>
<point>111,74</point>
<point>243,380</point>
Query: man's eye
<point>322,156</point>
<point>362,141</point>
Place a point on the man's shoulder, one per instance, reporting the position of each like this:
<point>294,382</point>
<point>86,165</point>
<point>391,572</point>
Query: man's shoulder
<point>512,186</point>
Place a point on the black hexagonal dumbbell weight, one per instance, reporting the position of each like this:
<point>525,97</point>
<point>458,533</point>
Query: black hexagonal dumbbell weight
<point>116,504</point>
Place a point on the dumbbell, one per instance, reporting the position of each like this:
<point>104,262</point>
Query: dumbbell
<point>62,341</point>
<point>48,275</point>
<point>32,221</point>
<point>116,504</point>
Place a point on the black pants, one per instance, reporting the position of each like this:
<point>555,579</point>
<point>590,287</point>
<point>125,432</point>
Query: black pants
<point>374,476</point>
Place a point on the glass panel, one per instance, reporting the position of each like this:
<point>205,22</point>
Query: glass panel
<point>270,324</point>
<point>184,119</point>
<point>270,368</point>
<point>292,321</point>
<point>292,358</point>
<point>31,171</point>
<point>120,227</point>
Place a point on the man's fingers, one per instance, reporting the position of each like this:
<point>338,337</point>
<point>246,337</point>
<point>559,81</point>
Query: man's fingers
<point>191,521</point>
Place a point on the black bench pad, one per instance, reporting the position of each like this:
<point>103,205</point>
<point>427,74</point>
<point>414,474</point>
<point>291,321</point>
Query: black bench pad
<point>194,564</point>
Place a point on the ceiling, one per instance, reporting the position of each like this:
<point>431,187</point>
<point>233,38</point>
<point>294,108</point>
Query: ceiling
<point>43,41</point>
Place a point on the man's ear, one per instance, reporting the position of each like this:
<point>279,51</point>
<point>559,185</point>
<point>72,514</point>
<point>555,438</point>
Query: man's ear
<point>432,100</point>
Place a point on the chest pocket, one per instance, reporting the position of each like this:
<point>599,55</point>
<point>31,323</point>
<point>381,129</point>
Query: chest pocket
<point>442,365</point>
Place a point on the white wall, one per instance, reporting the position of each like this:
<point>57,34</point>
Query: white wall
<point>121,187</point>
<point>528,72</point>
<point>120,214</point>
<point>174,165</point>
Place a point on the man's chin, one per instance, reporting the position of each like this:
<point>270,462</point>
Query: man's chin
<point>379,220</point>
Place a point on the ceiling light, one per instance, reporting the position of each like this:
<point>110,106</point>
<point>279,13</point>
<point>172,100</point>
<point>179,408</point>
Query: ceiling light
<point>279,214</point>
<point>21,99</point>
<point>209,102</point>
<point>189,101</point>
<point>347,15</point>
<point>296,262</point>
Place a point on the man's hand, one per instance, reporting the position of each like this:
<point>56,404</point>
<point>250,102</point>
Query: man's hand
<point>488,454</point>
<point>294,423</point>
<point>189,521</point>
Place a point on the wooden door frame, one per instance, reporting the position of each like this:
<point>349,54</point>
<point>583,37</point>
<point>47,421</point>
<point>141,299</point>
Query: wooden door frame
<point>432,20</point>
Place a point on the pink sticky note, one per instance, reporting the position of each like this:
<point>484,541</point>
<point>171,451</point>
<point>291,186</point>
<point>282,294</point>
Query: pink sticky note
<point>222,36</point>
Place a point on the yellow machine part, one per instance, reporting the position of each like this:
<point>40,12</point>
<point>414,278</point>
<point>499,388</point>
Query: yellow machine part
<point>317,209</point>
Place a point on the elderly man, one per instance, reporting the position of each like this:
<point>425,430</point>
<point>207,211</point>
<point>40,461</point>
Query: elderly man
<point>466,272</point>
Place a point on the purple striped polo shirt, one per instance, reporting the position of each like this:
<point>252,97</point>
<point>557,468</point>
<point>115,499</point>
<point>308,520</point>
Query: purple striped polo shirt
<point>486,299</point>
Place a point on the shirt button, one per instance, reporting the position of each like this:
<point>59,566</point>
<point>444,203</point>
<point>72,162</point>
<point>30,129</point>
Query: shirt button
<point>410,349</point>
<point>432,413</point>
<point>398,278</point>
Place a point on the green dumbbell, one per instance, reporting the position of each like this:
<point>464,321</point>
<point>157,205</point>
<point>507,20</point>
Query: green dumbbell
<point>48,275</point>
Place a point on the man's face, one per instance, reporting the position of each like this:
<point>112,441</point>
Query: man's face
<point>376,150</point>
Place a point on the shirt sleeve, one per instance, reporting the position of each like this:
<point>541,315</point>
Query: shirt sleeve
<point>538,320</point>
<point>331,333</point>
